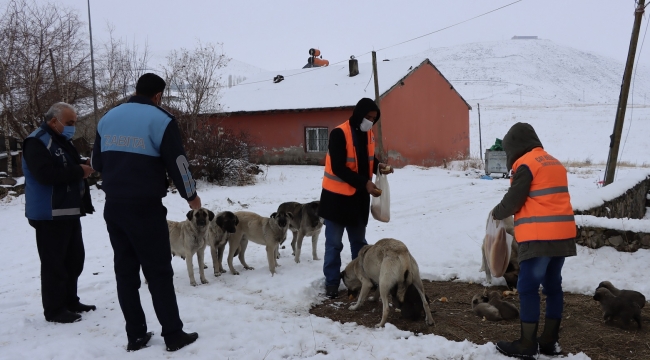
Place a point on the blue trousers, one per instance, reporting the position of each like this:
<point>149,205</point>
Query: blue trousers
<point>545,271</point>
<point>334,245</point>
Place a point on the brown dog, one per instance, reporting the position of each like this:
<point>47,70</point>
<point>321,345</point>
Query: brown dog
<point>614,306</point>
<point>223,226</point>
<point>630,295</point>
<point>305,222</point>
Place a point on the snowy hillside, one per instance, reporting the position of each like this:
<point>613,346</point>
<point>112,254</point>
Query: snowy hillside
<point>540,71</point>
<point>237,71</point>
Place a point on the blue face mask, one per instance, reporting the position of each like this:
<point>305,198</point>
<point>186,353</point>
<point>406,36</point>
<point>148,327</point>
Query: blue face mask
<point>68,131</point>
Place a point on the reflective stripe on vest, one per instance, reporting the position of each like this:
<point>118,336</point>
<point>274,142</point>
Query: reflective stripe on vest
<point>547,213</point>
<point>333,183</point>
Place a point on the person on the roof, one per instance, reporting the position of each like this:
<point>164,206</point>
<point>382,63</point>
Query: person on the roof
<point>347,186</point>
<point>545,230</point>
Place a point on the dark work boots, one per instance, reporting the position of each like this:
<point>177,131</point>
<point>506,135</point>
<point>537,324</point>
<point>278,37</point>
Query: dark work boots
<point>179,341</point>
<point>525,347</point>
<point>139,343</point>
<point>79,308</point>
<point>332,291</point>
<point>549,340</point>
<point>64,317</point>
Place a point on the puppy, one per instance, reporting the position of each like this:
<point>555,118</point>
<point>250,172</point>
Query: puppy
<point>389,264</point>
<point>223,226</point>
<point>507,310</point>
<point>188,238</point>
<point>305,222</point>
<point>614,306</point>
<point>631,295</point>
<point>411,308</point>
<point>483,309</point>
<point>267,231</point>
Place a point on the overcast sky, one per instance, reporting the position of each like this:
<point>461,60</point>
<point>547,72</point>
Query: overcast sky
<point>277,34</point>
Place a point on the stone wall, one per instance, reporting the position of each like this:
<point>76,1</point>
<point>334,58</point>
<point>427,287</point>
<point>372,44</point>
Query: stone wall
<point>632,204</point>
<point>627,241</point>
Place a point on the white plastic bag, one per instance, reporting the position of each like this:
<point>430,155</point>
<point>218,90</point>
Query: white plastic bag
<point>497,248</point>
<point>380,206</point>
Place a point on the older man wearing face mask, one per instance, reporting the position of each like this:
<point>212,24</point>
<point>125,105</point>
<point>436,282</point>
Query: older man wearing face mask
<point>56,196</point>
<point>347,186</point>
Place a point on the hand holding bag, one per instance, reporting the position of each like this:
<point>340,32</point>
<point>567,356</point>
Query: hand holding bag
<point>380,206</point>
<point>497,247</point>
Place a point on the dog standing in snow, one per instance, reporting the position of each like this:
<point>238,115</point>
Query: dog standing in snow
<point>389,264</point>
<point>188,238</point>
<point>267,231</point>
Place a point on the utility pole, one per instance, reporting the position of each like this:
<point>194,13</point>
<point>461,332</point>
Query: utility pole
<point>56,79</point>
<point>380,137</point>
<point>480,141</point>
<point>612,159</point>
<point>92,67</point>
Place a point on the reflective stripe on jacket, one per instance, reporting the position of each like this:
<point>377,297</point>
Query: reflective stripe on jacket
<point>333,183</point>
<point>547,213</point>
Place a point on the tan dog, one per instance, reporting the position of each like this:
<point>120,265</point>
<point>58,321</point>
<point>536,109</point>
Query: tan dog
<point>389,264</point>
<point>483,309</point>
<point>223,226</point>
<point>267,231</point>
<point>507,310</point>
<point>188,238</point>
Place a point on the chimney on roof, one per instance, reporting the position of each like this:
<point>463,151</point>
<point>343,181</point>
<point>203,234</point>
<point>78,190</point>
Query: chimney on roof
<point>354,66</point>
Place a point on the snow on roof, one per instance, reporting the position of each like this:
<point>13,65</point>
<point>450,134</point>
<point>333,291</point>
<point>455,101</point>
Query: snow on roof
<point>316,88</point>
<point>585,200</point>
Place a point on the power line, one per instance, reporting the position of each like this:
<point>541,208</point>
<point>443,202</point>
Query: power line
<point>450,26</point>
<point>388,47</point>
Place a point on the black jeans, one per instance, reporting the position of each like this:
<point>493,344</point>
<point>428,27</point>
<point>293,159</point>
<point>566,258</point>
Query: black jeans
<point>140,237</point>
<point>61,249</point>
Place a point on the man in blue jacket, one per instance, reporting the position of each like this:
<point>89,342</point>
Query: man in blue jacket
<point>56,196</point>
<point>137,145</point>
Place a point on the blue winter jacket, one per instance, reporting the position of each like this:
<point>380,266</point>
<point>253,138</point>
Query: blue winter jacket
<point>137,144</point>
<point>54,186</point>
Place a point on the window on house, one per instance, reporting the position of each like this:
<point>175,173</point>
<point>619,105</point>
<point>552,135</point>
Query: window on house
<point>316,139</point>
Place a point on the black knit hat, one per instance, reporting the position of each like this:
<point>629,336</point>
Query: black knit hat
<point>363,107</point>
<point>149,85</point>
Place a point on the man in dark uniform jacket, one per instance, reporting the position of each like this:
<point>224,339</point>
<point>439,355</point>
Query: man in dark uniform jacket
<point>138,144</point>
<point>347,186</point>
<point>56,196</point>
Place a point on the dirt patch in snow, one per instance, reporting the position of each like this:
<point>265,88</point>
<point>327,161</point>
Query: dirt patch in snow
<point>583,329</point>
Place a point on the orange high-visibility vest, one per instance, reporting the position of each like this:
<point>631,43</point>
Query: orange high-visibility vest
<point>332,182</point>
<point>547,213</point>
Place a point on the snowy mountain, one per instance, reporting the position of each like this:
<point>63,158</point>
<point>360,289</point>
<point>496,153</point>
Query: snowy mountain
<point>238,71</point>
<point>534,72</point>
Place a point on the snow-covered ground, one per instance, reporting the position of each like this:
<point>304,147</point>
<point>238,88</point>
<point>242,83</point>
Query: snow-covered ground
<point>438,213</point>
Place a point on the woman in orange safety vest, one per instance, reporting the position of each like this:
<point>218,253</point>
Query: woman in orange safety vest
<point>545,231</point>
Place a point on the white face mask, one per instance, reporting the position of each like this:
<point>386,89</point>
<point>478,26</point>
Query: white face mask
<point>366,125</point>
